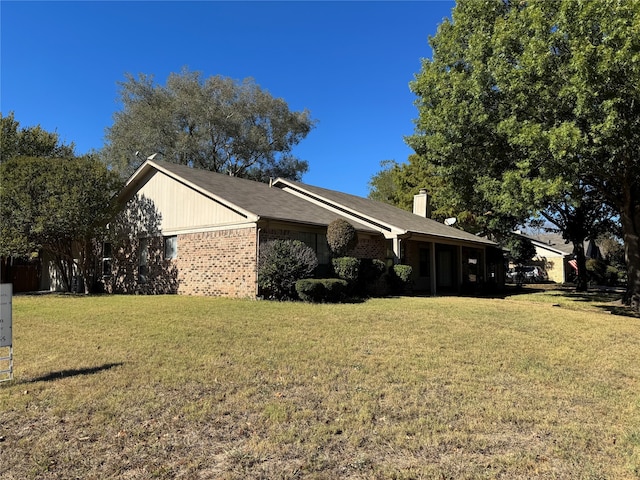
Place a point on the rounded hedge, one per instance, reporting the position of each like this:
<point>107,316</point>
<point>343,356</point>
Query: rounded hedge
<point>341,237</point>
<point>321,290</point>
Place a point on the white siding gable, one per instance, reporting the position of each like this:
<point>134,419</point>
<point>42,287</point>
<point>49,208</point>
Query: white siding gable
<point>184,209</point>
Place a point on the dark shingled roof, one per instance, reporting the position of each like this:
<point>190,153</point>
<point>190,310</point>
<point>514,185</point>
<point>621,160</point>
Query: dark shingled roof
<point>254,197</point>
<point>552,241</point>
<point>388,214</point>
<point>275,203</point>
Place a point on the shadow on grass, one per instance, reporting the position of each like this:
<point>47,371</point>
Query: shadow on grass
<point>611,298</point>
<point>508,290</point>
<point>73,373</point>
<point>593,297</point>
<point>621,310</point>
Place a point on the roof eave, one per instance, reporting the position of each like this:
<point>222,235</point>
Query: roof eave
<point>388,230</point>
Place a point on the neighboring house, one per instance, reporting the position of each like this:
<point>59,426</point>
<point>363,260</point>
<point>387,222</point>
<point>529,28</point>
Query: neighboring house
<point>196,232</point>
<point>554,255</point>
<point>23,274</point>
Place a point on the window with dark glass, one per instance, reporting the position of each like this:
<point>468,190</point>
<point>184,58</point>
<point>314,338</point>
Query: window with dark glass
<point>106,259</point>
<point>170,247</point>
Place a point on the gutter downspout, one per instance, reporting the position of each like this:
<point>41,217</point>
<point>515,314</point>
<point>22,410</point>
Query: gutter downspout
<point>257,260</point>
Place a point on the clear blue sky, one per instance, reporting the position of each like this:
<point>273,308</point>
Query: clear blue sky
<point>349,63</point>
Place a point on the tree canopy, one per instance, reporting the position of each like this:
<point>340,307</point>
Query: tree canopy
<point>58,206</point>
<point>30,141</point>
<point>526,103</point>
<point>216,124</point>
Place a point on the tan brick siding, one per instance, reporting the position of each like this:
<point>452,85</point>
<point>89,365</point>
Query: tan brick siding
<point>219,263</point>
<point>372,247</point>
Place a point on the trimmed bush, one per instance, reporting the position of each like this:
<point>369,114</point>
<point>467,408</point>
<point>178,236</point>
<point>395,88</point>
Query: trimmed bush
<point>403,272</point>
<point>347,268</point>
<point>401,278</point>
<point>336,289</point>
<point>341,237</point>
<point>281,264</point>
<point>317,290</point>
<point>366,276</point>
<point>372,281</point>
<point>372,268</point>
<point>310,290</point>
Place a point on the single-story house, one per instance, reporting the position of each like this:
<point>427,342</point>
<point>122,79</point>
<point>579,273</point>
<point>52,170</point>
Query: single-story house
<point>196,232</point>
<point>553,255</point>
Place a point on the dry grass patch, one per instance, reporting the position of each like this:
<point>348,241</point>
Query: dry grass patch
<point>179,387</point>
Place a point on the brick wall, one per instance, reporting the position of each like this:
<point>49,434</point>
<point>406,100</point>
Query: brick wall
<point>373,247</point>
<point>220,263</point>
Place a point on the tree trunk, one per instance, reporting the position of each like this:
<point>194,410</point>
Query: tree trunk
<point>84,263</point>
<point>581,259</point>
<point>61,264</point>
<point>630,219</point>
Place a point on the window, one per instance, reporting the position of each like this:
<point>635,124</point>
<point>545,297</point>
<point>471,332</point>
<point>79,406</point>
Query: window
<point>471,264</point>
<point>106,259</point>
<point>170,247</point>
<point>322,249</point>
<point>318,243</point>
<point>143,260</point>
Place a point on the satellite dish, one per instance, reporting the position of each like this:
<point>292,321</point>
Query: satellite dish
<point>450,221</point>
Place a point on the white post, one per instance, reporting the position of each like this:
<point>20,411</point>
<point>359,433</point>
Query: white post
<point>6,331</point>
<point>396,249</point>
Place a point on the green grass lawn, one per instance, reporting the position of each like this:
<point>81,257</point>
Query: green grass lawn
<point>539,385</point>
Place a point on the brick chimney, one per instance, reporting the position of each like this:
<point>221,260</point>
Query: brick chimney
<point>422,204</point>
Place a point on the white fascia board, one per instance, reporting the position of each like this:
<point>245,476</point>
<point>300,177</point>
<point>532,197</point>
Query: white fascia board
<point>209,228</point>
<point>250,216</point>
<point>389,231</point>
<point>546,246</point>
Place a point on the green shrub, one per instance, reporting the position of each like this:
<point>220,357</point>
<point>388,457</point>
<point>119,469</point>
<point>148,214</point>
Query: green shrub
<point>317,290</point>
<point>372,281</point>
<point>400,276</point>
<point>310,290</point>
<point>336,289</point>
<point>611,275</point>
<point>403,272</point>
<point>371,269</point>
<point>596,271</point>
<point>341,237</point>
<point>281,264</point>
<point>365,276</point>
<point>347,268</point>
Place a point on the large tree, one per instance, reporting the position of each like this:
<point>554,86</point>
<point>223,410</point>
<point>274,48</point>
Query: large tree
<point>215,124</point>
<point>526,103</point>
<point>57,206</point>
<point>16,141</point>
<point>581,215</point>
